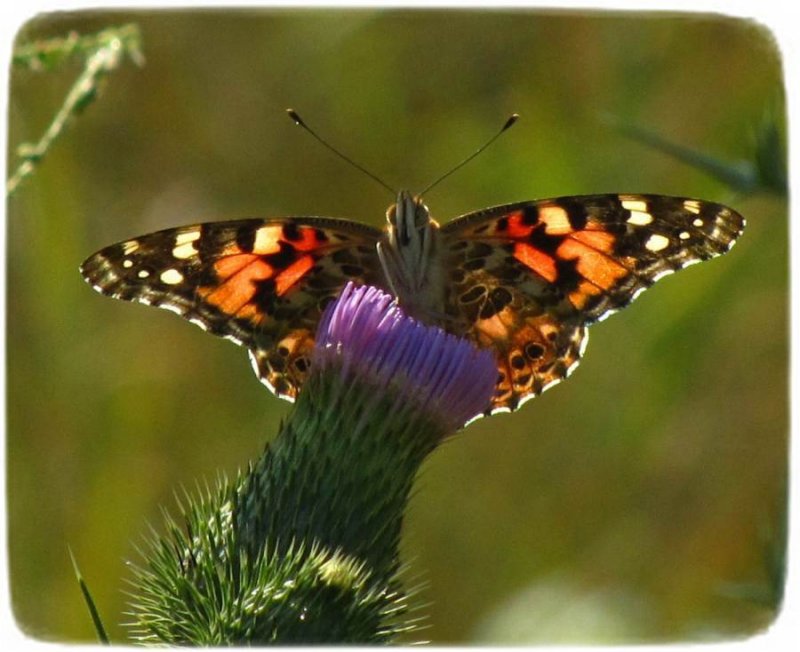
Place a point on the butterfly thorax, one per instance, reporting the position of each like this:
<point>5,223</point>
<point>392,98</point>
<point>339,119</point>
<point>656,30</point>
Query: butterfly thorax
<point>409,255</point>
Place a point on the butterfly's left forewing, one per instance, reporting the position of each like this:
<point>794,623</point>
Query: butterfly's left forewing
<point>261,283</point>
<point>527,278</point>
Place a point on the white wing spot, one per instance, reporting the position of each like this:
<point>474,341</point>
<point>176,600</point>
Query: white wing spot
<point>184,244</point>
<point>522,401</point>
<point>171,277</point>
<point>127,263</point>
<point>143,273</point>
<point>184,250</point>
<point>665,272</point>
<point>608,313</point>
<point>635,205</point>
<point>584,343</point>
<point>553,382</point>
<point>639,218</point>
<point>475,418</point>
<point>173,308</point>
<point>656,242</point>
<point>199,322</point>
<point>129,247</point>
<point>697,222</point>
<point>692,205</point>
<point>187,236</point>
<point>684,235</point>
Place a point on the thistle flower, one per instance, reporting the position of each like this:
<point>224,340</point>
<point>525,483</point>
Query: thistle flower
<point>303,547</point>
<point>366,335</point>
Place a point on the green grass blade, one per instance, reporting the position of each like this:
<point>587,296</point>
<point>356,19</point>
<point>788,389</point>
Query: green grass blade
<point>98,623</point>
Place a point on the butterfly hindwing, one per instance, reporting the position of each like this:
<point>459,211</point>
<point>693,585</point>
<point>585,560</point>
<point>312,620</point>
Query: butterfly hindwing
<point>261,283</point>
<point>526,278</point>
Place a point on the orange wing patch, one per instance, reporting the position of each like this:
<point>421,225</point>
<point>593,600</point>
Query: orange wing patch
<point>585,291</point>
<point>538,261</point>
<point>288,277</point>
<point>536,353</point>
<point>233,263</point>
<point>493,328</point>
<point>306,239</point>
<point>517,227</point>
<point>597,239</point>
<point>596,267</point>
<point>285,367</point>
<point>239,275</point>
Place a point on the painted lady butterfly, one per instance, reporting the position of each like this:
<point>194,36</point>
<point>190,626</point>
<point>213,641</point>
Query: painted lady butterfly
<point>523,279</point>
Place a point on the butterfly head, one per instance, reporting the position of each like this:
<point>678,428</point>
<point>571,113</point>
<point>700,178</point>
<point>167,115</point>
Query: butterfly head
<point>408,219</point>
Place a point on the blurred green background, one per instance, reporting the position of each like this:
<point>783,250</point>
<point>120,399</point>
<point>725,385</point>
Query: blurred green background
<point>641,500</point>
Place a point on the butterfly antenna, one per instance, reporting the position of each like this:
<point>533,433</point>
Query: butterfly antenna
<point>508,124</point>
<point>295,117</point>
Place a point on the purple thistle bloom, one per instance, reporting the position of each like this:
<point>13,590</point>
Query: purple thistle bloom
<point>366,332</point>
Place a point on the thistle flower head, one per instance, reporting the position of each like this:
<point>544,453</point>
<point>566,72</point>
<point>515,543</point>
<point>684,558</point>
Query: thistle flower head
<point>366,333</point>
